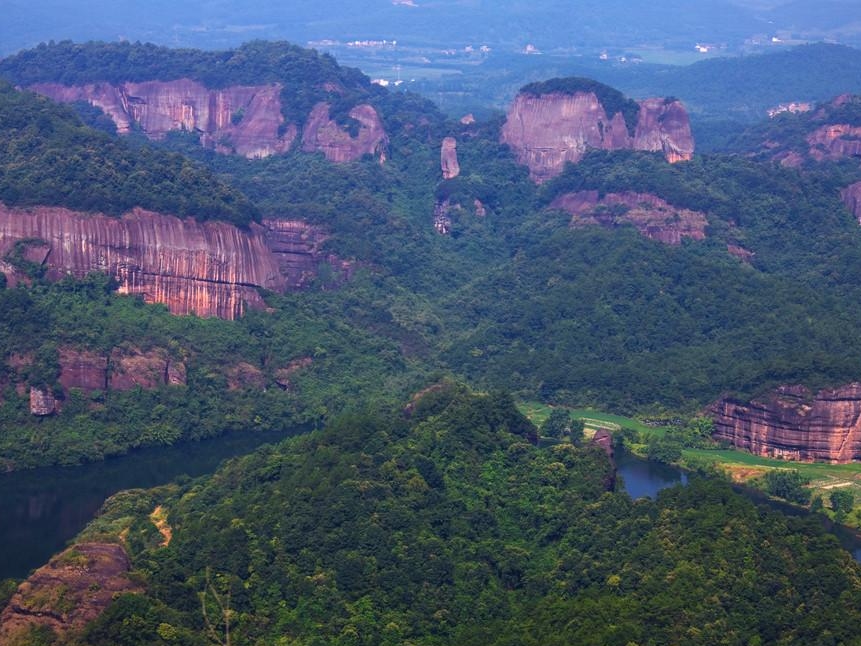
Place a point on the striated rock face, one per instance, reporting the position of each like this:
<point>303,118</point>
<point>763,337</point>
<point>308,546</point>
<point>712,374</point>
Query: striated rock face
<point>792,423</point>
<point>73,589</point>
<point>652,216</point>
<point>298,250</point>
<point>242,119</point>
<point>448,158</point>
<point>547,131</point>
<point>851,196</point>
<point>210,269</point>
<point>835,141</point>
<point>322,134</point>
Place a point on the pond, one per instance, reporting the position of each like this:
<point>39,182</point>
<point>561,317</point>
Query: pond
<point>644,478</point>
<point>43,509</point>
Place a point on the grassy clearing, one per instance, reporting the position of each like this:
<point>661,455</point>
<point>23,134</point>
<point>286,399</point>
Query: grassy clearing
<point>738,465</point>
<point>537,413</point>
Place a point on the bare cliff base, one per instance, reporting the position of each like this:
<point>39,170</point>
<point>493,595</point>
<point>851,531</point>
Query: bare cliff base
<point>211,269</point>
<point>794,423</point>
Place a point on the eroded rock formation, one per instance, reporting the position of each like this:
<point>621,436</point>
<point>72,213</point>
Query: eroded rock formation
<point>210,269</point>
<point>835,141</point>
<point>549,130</point>
<point>448,158</point>
<point>242,119</point>
<point>795,424</point>
<point>851,196</point>
<point>323,134</point>
<point>73,589</point>
<point>653,217</point>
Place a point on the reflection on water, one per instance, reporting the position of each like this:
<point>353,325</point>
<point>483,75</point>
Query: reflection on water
<point>42,509</point>
<point>643,478</point>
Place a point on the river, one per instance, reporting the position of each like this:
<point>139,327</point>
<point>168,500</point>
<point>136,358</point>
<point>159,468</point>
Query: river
<point>42,509</point>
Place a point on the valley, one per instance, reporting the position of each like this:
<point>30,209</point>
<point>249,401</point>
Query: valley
<point>241,243</point>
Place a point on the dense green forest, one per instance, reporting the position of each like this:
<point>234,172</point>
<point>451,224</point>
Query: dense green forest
<point>346,364</point>
<point>48,157</point>
<point>448,526</point>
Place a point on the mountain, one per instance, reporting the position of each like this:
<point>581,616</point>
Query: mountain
<point>623,281</point>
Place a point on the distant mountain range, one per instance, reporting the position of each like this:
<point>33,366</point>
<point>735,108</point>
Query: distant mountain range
<point>510,24</point>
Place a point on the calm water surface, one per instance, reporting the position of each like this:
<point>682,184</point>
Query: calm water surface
<point>644,478</point>
<point>42,509</point>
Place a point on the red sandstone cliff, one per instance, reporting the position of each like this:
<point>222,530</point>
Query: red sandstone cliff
<point>448,158</point>
<point>652,216</point>
<point>210,268</point>
<point>246,120</point>
<point>547,131</point>
<point>795,424</point>
<point>322,134</point>
<point>241,119</point>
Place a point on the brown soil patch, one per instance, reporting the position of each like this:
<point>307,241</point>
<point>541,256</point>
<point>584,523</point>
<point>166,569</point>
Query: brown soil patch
<point>159,519</point>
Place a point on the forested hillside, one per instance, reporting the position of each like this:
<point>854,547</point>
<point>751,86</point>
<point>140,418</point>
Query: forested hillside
<point>449,527</point>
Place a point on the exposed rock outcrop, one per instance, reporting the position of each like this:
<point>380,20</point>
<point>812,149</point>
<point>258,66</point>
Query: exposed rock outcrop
<point>284,375</point>
<point>795,424</point>
<point>448,158</point>
<point>83,369</point>
<point>242,119</point>
<point>210,269</point>
<point>132,368</point>
<point>73,589</point>
<point>653,217</point>
<point>298,250</point>
<point>851,196</point>
<point>323,134</point>
<point>42,401</point>
<point>835,141</point>
<point>549,130</point>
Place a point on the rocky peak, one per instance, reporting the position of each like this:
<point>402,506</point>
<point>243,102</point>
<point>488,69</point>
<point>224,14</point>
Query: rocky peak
<point>547,130</point>
<point>794,423</point>
<point>448,158</point>
<point>323,134</point>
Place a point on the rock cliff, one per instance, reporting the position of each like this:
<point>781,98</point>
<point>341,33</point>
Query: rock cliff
<point>448,158</point>
<point>246,120</point>
<point>323,134</point>
<point>651,216</point>
<point>73,589</point>
<point>210,268</point>
<point>794,423</point>
<point>242,119</point>
<point>851,196</point>
<point>835,141</point>
<point>549,130</point>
